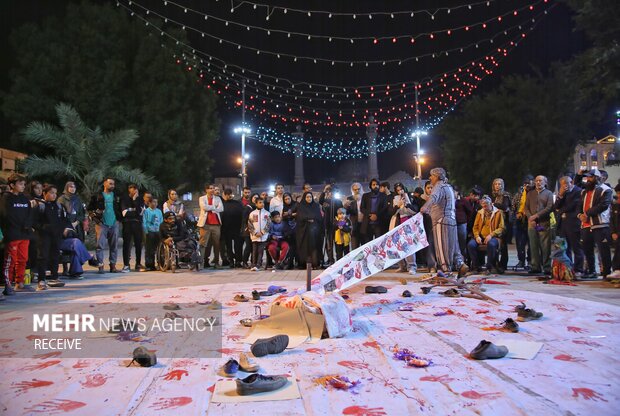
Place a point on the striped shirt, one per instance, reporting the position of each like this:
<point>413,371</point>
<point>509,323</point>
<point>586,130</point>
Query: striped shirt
<point>441,204</point>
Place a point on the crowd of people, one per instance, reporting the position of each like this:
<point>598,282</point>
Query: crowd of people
<point>39,227</point>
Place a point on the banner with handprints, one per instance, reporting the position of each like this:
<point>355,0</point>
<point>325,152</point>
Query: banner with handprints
<point>373,257</point>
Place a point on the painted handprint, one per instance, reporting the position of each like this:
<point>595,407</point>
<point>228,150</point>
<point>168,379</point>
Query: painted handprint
<point>41,366</point>
<point>56,406</point>
<point>437,379</point>
<point>171,402</point>
<point>587,394</point>
<point>353,364</point>
<point>363,411</point>
<point>24,386</point>
<point>175,375</point>
<point>471,394</point>
<point>576,329</point>
<point>94,380</point>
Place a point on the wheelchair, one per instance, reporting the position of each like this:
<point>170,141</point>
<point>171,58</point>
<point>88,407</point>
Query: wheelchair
<point>184,254</point>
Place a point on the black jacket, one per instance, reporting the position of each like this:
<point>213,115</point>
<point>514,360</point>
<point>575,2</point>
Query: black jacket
<point>599,212</point>
<point>132,208</point>
<point>52,220</point>
<point>366,207</point>
<point>231,217</point>
<point>330,207</point>
<point>567,207</point>
<point>176,230</point>
<point>96,207</point>
<point>15,217</point>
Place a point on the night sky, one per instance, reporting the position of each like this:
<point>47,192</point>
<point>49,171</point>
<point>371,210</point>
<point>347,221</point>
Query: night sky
<point>553,39</point>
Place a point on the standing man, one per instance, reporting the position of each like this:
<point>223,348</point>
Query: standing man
<point>105,211</point>
<point>277,202</point>
<point>210,223</point>
<point>132,208</point>
<point>231,228</point>
<point>245,197</point>
<point>16,224</point>
<point>330,207</point>
<point>441,208</point>
<point>595,215</point>
<point>567,206</point>
<point>352,204</point>
<point>521,237</point>
<point>384,188</point>
<point>373,208</point>
<point>538,207</point>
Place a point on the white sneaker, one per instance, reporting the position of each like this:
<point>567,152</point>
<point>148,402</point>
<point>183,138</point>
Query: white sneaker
<point>614,275</point>
<point>254,269</point>
<point>246,364</point>
<point>42,285</point>
<point>413,271</point>
<point>125,269</point>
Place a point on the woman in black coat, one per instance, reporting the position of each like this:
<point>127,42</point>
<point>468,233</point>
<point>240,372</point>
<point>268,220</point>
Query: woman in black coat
<point>308,230</point>
<point>289,216</point>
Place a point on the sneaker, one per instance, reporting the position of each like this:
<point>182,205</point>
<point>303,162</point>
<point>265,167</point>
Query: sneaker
<point>273,345</point>
<point>20,287</point>
<point>613,275</point>
<point>140,268</point>
<point>246,364</point>
<point>8,290</point>
<point>230,368</point>
<point>375,289</point>
<point>426,289</point>
<point>526,314</point>
<point>487,350</point>
<point>93,262</point>
<point>509,325</point>
<point>413,271</point>
<point>125,269</point>
<point>463,270</point>
<point>451,293</point>
<point>101,271</point>
<point>254,269</point>
<point>255,295</point>
<point>258,383</point>
<point>41,286</point>
<point>76,276</point>
<point>589,276</point>
<point>241,298</point>
<point>113,269</point>
<point>406,294</point>
<point>55,283</point>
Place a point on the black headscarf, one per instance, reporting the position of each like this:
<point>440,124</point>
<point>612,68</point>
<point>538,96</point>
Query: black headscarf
<point>308,231</point>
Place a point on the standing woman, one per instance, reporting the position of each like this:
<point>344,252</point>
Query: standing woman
<point>245,234</point>
<point>403,209</point>
<point>289,216</point>
<point>74,207</point>
<point>173,204</point>
<point>37,203</point>
<point>308,230</point>
<point>501,200</point>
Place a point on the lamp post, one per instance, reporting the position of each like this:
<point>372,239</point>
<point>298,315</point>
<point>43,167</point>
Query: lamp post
<point>243,129</point>
<point>419,160</point>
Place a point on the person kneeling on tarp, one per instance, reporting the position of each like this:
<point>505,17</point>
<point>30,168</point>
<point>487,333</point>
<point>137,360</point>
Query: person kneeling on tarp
<point>488,230</point>
<point>79,254</point>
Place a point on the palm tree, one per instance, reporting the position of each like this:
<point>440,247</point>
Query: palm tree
<point>85,155</point>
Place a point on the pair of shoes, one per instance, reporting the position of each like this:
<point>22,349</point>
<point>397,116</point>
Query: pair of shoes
<point>42,285</point>
<point>125,269</point>
<point>487,350</point>
<point>259,383</point>
<point>589,276</point>
<point>509,325</point>
<point>525,314</point>
<point>375,289</point>
<point>245,364</point>
<point>406,294</point>
<point>255,295</point>
<point>113,269</point>
<point>93,262</point>
<point>240,298</point>
<point>273,345</point>
<point>140,268</point>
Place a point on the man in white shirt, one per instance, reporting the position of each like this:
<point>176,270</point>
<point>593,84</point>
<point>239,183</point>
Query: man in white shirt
<point>277,202</point>
<point>210,224</point>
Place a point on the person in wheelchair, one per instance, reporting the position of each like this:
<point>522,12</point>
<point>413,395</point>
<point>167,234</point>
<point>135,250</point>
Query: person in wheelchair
<point>277,245</point>
<point>488,231</point>
<point>174,234</point>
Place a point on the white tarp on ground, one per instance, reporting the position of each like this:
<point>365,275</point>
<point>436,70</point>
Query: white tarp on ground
<point>373,257</point>
<point>576,372</point>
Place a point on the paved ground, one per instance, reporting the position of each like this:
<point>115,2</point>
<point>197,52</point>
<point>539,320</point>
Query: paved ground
<point>95,284</point>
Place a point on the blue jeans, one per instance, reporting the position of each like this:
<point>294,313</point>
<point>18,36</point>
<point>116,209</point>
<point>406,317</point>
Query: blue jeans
<point>492,251</point>
<point>107,236</point>
<point>461,230</point>
<point>80,254</point>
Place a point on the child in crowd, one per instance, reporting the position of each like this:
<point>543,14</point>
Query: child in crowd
<point>259,224</point>
<point>151,220</point>
<point>342,233</point>
<point>277,240</point>
<point>16,223</point>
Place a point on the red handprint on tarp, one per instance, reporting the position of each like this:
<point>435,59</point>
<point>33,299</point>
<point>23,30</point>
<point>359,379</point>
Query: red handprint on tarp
<point>364,411</point>
<point>24,386</point>
<point>471,394</point>
<point>95,380</point>
<point>171,402</point>
<point>587,394</point>
<point>175,375</point>
<point>353,364</point>
<point>437,379</point>
<point>42,365</point>
<point>55,406</point>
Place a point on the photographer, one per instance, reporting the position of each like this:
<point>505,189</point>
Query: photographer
<point>329,204</point>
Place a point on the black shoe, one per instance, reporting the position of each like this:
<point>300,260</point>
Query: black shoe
<point>273,345</point>
<point>8,290</point>
<point>589,276</point>
<point>451,293</point>
<point>525,314</point>
<point>406,294</point>
<point>93,262</point>
<point>258,383</point>
<point>255,295</point>
<point>509,325</point>
<point>375,289</point>
<point>226,263</point>
<point>487,350</point>
<point>532,271</point>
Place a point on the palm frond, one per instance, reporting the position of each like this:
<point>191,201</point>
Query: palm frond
<point>47,135</point>
<point>71,122</point>
<point>116,145</point>
<point>49,165</point>
<point>136,176</point>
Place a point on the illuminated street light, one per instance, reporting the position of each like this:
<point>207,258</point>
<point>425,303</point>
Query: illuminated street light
<point>243,130</point>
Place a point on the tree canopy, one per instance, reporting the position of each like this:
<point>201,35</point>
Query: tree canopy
<point>116,72</point>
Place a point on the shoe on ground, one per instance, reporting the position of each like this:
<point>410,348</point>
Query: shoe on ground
<point>495,270</point>
<point>375,289</point>
<point>520,265</point>
<point>42,285</point>
<point>2,297</point>
<point>406,294</point>
<point>8,290</point>
<point>413,271</point>
<point>463,270</point>
<point>589,276</point>
<point>509,325</point>
<point>125,269</point>
<point>451,293</point>
<point>76,276</point>
<point>230,368</point>
<point>140,268</point>
<point>273,345</point>
<point>113,269</point>
<point>613,275</point>
<point>255,295</point>
<point>171,307</point>
<point>20,287</point>
<point>101,271</point>
<point>214,305</point>
<point>486,350</point>
<point>246,364</point>
<point>259,383</point>
<point>426,289</point>
<point>527,314</point>
<point>55,283</point>
<point>93,262</point>
<point>534,271</point>
<point>402,270</point>
<point>241,298</point>
<point>254,269</point>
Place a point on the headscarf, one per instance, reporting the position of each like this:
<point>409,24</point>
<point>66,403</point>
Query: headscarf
<point>440,173</point>
<point>501,190</point>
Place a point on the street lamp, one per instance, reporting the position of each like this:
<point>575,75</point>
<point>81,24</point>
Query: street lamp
<point>243,130</point>
<point>419,152</point>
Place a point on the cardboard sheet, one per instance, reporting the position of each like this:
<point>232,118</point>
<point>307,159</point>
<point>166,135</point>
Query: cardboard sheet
<point>523,350</point>
<point>289,322</point>
<point>226,392</point>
